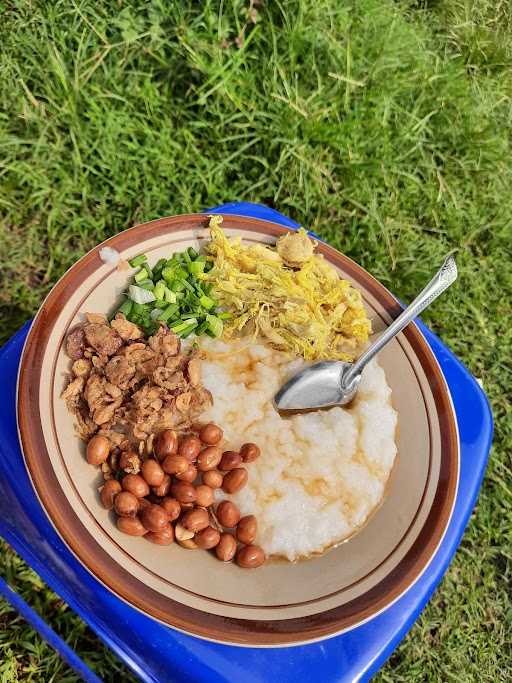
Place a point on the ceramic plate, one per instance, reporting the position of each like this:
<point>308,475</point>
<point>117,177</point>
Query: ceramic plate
<point>279,603</point>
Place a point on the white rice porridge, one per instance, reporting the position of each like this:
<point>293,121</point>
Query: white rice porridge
<point>320,474</point>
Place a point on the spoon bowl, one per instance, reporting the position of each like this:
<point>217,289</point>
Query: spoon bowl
<point>318,386</point>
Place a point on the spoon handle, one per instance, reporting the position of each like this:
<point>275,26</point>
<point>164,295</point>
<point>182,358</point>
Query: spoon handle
<point>446,276</point>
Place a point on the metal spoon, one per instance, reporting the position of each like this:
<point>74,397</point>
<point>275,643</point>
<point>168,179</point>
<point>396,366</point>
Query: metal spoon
<point>335,383</point>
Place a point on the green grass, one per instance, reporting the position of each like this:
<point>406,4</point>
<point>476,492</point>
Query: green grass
<point>384,126</point>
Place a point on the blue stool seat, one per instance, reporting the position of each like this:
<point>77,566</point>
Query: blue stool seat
<point>158,653</point>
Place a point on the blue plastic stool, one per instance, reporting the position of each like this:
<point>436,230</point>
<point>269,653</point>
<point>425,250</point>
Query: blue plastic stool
<point>158,653</point>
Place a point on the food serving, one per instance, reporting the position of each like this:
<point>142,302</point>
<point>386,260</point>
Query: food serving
<point>173,395</point>
<point>338,584</point>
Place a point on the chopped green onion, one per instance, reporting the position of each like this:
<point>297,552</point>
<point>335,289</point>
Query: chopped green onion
<point>180,325</point>
<point>188,330</point>
<point>196,267</point>
<point>139,309</point>
<point>202,328</point>
<point>159,290</point>
<point>147,284</point>
<point>168,312</point>
<point>191,299</point>
<point>174,292</point>
<point>141,275</point>
<point>215,325</point>
<point>170,296</point>
<point>125,307</point>
<point>138,260</point>
<point>149,327</point>
<point>206,302</point>
<point>140,295</point>
<point>161,263</point>
<point>177,286</point>
<point>188,285</point>
<point>181,273</point>
<point>156,313</point>
<point>169,274</point>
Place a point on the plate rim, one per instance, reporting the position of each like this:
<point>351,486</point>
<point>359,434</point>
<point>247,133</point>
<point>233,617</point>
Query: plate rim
<point>240,631</point>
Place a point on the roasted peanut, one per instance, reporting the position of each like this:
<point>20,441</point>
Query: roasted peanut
<point>249,452</point>
<point>175,464</point>
<point>152,472</point>
<point>154,518</point>
<point>204,495</point>
<point>129,461</point>
<point>246,529</point>
<point>163,489</point>
<point>135,484</point>
<point>189,448</point>
<point>207,538</point>
<point>226,547</point>
<point>230,460</point>
<point>131,526</point>
<point>250,556</point>
<point>210,434</point>
<point>149,444</point>
<point>195,520</point>
<point>126,504</point>
<point>163,537</point>
<point>106,470</point>
<point>108,491</point>
<point>213,479</point>
<point>183,492</point>
<point>209,458</point>
<point>227,513</point>
<point>98,449</point>
<point>112,460</point>
<point>172,507</point>
<point>235,480</point>
<point>185,537</point>
<point>143,504</point>
<point>190,474</point>
<point>165,444</point>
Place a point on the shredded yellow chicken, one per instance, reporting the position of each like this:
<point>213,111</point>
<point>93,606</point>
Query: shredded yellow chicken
<point>288,294</point>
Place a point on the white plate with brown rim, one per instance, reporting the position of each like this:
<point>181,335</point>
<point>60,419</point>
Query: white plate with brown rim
<point>280,603</point>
